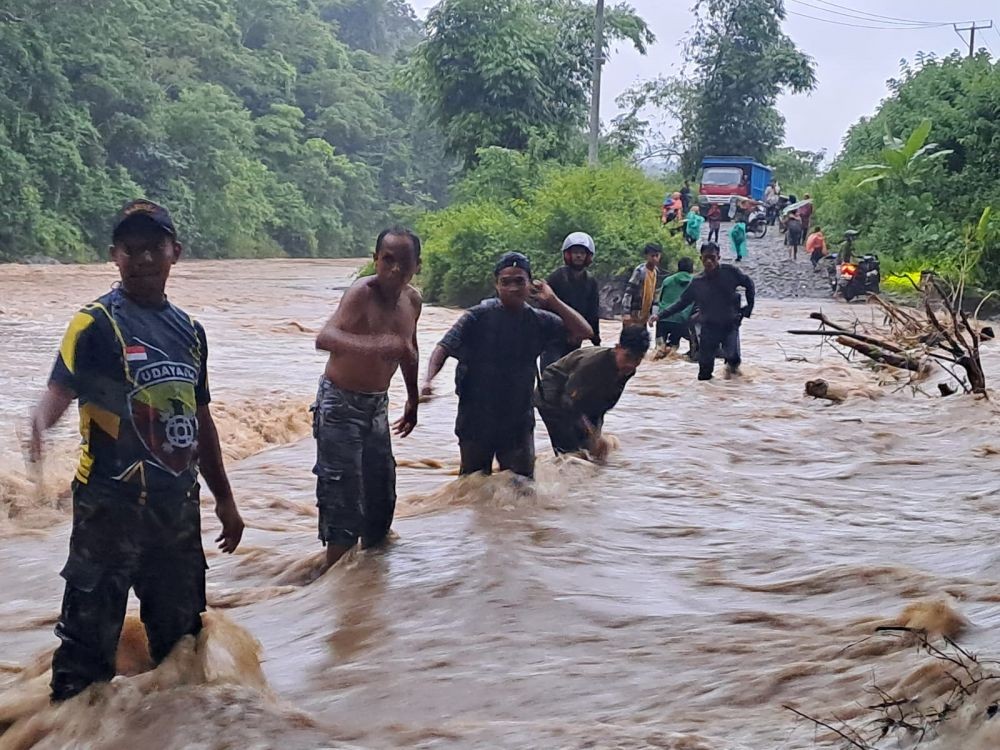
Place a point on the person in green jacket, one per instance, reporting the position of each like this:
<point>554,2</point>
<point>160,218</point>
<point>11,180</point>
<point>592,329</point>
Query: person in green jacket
<point>692,227</point>
<point>738,238</point>
<point>670,331</point>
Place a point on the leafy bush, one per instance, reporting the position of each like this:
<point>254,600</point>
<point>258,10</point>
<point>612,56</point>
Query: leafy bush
<point>461,245</point>
<point>617,204</point>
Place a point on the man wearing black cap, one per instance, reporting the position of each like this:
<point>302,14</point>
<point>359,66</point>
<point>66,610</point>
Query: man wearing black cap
<point>497,344</point>
<point>137,366</point>
<point>578,289</point>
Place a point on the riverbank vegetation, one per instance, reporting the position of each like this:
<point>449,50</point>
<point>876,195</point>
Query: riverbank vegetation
<point>510,202</point>
<point>916,178</point>
<point>276,127</point>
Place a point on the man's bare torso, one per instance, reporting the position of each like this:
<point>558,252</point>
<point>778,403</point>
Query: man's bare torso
<point>390,327</point>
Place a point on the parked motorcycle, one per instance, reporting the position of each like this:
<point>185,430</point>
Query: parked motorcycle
<point>757,222</point>
<point>863,277</point>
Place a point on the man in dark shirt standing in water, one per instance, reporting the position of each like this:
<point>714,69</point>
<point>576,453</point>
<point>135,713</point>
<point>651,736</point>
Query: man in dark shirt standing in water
<point>715,293</point>
<point>578,289</point>
<point>497,344</point>
<point>138,367</point>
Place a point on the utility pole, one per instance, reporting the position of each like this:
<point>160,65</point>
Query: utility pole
<point>595,90</point>
<point>972,28</point>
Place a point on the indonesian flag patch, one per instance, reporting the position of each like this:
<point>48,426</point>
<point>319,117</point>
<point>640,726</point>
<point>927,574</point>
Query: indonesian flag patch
<point>135,354</point>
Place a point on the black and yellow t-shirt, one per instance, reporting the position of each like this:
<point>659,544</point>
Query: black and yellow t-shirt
<point>139,374</point>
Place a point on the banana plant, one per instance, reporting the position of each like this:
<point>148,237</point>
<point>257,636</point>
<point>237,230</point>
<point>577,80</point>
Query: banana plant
<point>904,160</point>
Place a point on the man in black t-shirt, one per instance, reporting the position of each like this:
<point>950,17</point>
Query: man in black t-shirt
<point>137,365</point>
<point>578,289</point>
<point>497,344</point>
<point>715,293</point>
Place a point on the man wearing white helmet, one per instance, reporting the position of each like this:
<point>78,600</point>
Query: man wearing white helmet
<point>574,285</point>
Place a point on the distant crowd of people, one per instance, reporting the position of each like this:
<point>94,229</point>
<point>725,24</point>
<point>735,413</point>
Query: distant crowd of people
<point>793,218</point>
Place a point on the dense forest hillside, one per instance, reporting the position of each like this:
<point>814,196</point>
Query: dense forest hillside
<point>267,126</point>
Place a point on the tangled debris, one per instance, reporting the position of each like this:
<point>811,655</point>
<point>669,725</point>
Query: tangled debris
<point>916,340</point>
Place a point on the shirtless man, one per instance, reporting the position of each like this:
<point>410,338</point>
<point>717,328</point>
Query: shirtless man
<point>372,333</point>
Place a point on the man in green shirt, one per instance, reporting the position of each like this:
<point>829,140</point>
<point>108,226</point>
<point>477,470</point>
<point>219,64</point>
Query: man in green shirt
<point>670,331</point>
<point>576,392</point>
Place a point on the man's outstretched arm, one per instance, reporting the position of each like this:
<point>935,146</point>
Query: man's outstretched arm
<point>50,408</point>
<point>434,365</point>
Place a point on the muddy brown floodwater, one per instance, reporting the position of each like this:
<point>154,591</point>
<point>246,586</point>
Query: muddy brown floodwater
<point>720,567</point>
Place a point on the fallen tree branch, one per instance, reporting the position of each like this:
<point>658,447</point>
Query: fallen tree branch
<point>882,344</point>
<point>941,333</point>
<point>881,355</point>
<point>833,729</point>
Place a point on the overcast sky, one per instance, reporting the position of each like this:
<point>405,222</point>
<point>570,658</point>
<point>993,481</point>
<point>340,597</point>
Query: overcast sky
<point>852,64</point>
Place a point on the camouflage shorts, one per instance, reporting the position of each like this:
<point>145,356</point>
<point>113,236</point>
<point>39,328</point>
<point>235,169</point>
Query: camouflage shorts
<point>355,469</point>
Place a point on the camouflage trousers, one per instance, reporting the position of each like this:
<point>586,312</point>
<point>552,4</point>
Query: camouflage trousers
<point>119,543</point>
<point>355,469</point>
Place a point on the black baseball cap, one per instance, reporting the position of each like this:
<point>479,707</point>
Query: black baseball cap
<point>143,212</point>
<point>513,260</point>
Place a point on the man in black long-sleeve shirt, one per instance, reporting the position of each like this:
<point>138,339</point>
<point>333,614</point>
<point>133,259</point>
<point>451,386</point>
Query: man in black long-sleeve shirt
<point>578,289</point>
<point>715,294</point>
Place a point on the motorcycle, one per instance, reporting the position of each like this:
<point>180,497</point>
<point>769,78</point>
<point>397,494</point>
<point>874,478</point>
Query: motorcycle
<point>757,222</point>
<point>863,277</point>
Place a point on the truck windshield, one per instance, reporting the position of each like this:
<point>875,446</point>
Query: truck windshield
<point>718,176</point>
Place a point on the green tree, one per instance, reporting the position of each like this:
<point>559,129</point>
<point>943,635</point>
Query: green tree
<point>266,126</point>
<point>740,60</point>
<point>906,161</point>
<point>916,211</point>
<point>616,203</point>
<point>381,27</point>
<point>505,72</point>
<point>794,168</point>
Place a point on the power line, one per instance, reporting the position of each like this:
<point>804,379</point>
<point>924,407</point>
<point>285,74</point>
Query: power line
<point>880,17</point>
<point>861,26</point>
<point>862,16</point>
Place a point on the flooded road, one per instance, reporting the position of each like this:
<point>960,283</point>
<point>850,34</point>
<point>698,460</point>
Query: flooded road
<point>724,564</point>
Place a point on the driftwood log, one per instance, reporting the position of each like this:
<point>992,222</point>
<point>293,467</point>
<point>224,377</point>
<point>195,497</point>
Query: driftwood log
<point>873,351</point>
